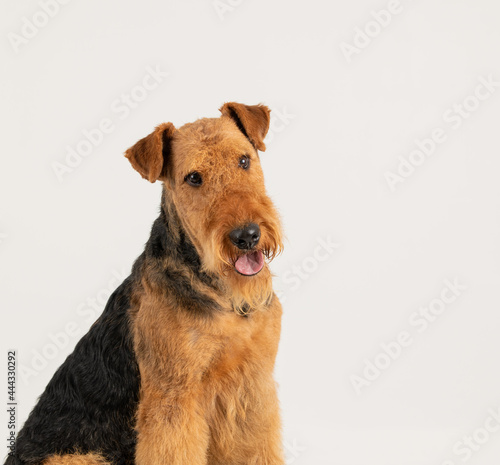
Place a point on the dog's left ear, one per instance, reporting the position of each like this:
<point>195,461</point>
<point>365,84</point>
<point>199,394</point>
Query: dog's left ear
<point>149,156</point>
<point>252,120</point>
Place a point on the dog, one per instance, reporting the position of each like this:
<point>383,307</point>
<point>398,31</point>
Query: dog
<point>178,369</point>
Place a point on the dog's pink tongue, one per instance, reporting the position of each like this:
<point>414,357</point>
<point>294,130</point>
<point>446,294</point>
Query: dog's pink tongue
<point>250,264</point>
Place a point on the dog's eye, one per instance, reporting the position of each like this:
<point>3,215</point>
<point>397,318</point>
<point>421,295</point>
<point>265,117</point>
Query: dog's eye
<point>194,179</point>
<point>244,162</point>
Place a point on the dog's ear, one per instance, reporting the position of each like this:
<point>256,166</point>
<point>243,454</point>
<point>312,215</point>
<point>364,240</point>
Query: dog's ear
<point>252,120</point>
<point>149,155</point>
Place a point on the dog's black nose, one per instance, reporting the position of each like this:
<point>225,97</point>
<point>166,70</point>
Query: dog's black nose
<point>246,237</point>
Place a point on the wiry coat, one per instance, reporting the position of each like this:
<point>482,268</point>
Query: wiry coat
<point>178,368</point>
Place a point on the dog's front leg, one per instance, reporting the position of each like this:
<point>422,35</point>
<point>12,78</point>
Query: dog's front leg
<point>171,429</point>
<point>252,440</point>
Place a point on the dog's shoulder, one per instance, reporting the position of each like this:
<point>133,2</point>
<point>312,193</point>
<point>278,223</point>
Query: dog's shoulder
<point>90,402</point>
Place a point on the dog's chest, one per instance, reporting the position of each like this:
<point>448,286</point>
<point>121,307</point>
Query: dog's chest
<point>245,345</point>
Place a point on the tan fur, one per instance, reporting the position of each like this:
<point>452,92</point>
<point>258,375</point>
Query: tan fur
<point>207,390</point>
<point>75,459</point>
<point>212,147</point>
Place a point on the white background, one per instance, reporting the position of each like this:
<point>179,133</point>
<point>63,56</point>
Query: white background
<point>61,243</point>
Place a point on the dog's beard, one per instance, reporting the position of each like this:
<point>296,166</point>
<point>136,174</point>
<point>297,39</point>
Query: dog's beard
<point>245,291</point>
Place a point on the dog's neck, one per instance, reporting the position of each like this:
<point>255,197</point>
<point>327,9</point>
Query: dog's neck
<point>170,242</point>
<point>174,264</point>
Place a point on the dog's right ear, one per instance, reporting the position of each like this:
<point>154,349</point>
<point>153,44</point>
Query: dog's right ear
<point>149,155</point>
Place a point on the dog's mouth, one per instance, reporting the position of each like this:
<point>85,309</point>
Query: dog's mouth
<point>250,263</point>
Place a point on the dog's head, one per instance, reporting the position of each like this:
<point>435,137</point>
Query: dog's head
<point>212,176</point>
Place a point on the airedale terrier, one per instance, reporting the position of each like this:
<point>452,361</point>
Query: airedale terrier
<point>178,370</point>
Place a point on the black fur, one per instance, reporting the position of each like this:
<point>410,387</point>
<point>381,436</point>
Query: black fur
<point>90,403</point>
<point>234,116</point>
<point>187,262</point>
